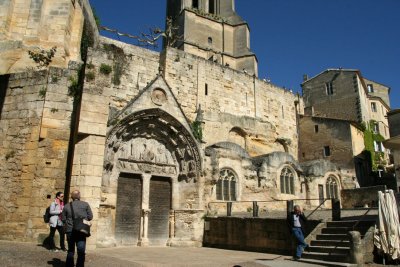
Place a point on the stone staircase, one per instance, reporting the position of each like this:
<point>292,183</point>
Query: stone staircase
<point>332,243</point>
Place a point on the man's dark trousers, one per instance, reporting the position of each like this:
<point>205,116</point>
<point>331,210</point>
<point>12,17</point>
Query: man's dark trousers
<point>80,241</point>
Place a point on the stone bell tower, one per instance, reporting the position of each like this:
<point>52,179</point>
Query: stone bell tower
<point>213,30</point>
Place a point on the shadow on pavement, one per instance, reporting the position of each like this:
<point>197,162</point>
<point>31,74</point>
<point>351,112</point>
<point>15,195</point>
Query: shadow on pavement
<point>56,263</point>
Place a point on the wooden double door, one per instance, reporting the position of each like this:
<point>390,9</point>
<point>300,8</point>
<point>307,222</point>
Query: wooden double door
<point>130,217</point>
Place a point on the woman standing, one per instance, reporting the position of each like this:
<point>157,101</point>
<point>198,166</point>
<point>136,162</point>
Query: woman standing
<point>55,222</point>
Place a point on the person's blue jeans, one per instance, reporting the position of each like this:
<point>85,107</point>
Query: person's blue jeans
<point>78,239</point>
<point>301,244</point>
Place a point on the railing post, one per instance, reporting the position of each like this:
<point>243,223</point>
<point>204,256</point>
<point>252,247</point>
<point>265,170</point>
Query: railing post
<point>255,209</point>
<point>289,206</point>
<point>335,209</point>
<point>229,209</point>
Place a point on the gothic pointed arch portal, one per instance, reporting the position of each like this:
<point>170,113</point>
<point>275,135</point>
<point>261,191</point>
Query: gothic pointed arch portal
<point>149,152</point>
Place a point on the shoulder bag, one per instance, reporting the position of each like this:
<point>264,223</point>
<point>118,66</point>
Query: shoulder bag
<point>79,224</point>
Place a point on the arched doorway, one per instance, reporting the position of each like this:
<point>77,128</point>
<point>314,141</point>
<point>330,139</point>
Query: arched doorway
<point>149,154</point>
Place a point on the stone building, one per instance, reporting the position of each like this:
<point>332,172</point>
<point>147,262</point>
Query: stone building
<point>340,142</point>
<point>345,94</point>
<point>152,140</point>
<point>394,142</point>
<point>347,97</point>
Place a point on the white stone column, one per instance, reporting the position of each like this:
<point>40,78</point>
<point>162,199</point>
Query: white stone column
<point>171,227</point>
<point>144,241</point>
<point>175,193</point>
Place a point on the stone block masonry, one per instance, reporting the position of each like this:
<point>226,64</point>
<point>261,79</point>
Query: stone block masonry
<point>34,133</point>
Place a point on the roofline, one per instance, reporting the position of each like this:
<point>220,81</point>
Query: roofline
<point>381,84</point>
<point>354,123</point>
<point>373,97</point>
<point>328,70</point>
<point>394,111</point>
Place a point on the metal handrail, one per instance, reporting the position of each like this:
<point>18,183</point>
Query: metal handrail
<point>271,201</point>
<point>309,215</point>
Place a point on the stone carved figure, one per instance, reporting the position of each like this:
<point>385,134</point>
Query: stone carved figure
<point>147,154</point>
<point>147,150</point>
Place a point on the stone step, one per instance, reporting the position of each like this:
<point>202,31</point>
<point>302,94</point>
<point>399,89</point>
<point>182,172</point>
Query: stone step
<point>327,263</point>
<point>329,249</point>
<point>328,243</point>
<point>335,257</point>
<point>336,230</point>
<point>337,237</point>
<point>350,223</point>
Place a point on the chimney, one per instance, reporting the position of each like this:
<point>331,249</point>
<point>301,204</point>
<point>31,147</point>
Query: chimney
<point>305,77</point>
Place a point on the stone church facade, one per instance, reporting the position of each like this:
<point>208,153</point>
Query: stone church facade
<point>153,143</point>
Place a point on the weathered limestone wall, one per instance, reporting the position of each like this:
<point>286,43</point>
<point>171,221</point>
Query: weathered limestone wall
<point>380,90</point>
<point>251,234</point>
<point>41,24</point>
<point>264,111</point>
<point>342,104</point>
<point>316,133</point>
<point>35,131</point>
<point>359,197</point>
<point>134,68</point>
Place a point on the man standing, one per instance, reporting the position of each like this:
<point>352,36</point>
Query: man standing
<point>81,210</point>
<point>297,221</point>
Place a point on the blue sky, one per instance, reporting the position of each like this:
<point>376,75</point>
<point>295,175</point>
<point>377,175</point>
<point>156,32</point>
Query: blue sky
<point>296,37</point>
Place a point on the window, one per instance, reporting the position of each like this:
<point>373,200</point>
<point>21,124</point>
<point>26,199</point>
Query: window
<point>287,181</point>
<point>195,4</point>
<point>329,88</point>
<point>331,187</point>
<point>373,106</point>
<point>206,89</point>
<point>316,128</point>
<point>378,146</point>
<point>226,185</point>
<point>327,151</point>
<point>210,40</point>
<point>211,7</point>
<point>370,88</point>
<point>376,128</point>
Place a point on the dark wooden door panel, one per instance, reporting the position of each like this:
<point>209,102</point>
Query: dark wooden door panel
<point>160,205</point>
<point>128,210</point>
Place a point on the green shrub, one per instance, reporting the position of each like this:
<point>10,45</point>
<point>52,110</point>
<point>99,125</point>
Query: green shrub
<point>105,69</point>
<point>90,76</point>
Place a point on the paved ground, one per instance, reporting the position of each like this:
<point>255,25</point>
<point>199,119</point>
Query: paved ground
<point>15,254</point>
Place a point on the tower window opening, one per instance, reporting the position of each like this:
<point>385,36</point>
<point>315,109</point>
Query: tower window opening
<point>210,40</point>
<point>211,7</point>
<point>195,4</point>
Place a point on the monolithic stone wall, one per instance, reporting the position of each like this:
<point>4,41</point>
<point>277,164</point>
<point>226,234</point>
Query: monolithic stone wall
<point>232,99</point>
<point>35,131</point>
